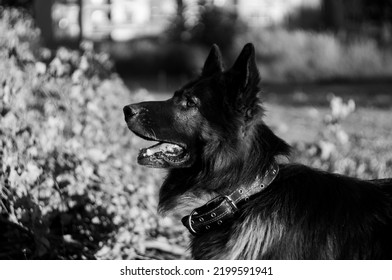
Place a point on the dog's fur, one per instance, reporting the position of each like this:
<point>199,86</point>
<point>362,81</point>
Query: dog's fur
<point>304,214</point>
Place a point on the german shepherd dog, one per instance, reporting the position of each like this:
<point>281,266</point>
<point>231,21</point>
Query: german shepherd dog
<point>237,201</point>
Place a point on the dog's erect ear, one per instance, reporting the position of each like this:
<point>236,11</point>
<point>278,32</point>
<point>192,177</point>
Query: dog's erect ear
<point>246,70</point>
<point>213,62</point>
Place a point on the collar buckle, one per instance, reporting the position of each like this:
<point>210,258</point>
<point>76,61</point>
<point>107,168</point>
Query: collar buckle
<point>231,203</point>
<point>191,229</point>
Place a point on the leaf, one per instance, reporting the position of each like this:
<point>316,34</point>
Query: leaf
<point>32,173</point>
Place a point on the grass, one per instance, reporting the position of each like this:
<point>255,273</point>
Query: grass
<point>367,154</point>
<point>302,124</point>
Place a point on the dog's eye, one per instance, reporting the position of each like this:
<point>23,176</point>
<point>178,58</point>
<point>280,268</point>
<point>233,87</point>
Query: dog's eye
<point>191,102</point>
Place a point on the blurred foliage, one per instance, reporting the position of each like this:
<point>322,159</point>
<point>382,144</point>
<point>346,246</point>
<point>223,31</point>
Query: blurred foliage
<point>217,25</point>
<point>17,3</point>
<point>152,56</point>
<point>181,50</point>
<point>70,187</point>
<point>305,18</point>
<point>316,56</point>
<point>292,53</point>
<point>353,15</point>
<point>307,48</point>
<point>358,154</point>
<point>348,19</point>
<point>69,184</point>
<point>178,28</point>
<point>214,25</point>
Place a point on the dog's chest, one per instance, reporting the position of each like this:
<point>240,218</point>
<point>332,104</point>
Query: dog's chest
<point>211,245</point>
<point>247,237</point>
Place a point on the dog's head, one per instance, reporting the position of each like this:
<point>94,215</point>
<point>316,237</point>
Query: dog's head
<point>211,113</point>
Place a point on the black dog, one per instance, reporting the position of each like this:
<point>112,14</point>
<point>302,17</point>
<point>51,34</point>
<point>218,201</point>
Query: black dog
<point>237,201</point>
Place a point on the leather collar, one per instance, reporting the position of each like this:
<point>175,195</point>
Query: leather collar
<point>219,210</point>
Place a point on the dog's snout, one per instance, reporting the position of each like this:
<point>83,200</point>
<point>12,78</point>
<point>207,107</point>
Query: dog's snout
<point>130,111</point>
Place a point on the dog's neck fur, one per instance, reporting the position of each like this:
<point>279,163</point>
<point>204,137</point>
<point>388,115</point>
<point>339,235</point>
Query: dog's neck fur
<point>226,168</point>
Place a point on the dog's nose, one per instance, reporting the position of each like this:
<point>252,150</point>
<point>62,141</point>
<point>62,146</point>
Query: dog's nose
<point>130,111</point>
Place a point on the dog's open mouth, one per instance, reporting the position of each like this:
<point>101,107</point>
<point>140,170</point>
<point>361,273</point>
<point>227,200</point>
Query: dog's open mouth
<point>163,155</point>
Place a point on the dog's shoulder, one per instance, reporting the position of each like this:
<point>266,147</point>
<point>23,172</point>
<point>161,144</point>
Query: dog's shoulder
<point>304,188</point>
<point>304,200</point>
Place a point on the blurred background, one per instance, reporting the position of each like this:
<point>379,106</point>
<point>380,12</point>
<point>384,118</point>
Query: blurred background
<point>70,187</point>
<point>162,43</point>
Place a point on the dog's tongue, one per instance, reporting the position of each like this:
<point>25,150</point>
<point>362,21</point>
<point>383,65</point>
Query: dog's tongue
<point>162,147</point>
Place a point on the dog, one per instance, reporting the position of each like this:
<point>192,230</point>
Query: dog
<point>237,200</point>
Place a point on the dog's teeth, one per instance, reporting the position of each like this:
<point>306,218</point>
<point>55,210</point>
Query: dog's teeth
<point>149,153</point>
